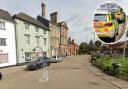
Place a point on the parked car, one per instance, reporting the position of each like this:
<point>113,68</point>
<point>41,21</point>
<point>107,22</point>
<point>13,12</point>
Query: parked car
<point>40,62</point>
<point>0,75</point>
<point>63,56</point>
<point>56,59</point>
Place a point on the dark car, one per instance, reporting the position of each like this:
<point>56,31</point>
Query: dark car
<point>0,75</point>
<point>40,62</point>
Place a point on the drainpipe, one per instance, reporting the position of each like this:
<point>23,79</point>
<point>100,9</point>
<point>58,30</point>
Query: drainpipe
<point>60,42</point>
<point>16,42</point>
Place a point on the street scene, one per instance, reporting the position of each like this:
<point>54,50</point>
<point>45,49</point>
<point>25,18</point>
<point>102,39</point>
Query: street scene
<point>61,44</point>
<point>70,73</point>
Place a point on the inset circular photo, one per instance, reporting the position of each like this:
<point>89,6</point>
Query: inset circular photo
<point>109,22</point>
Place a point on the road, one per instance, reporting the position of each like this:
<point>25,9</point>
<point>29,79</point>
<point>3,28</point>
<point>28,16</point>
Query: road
<point>69,74</point>
<point>122,29</point>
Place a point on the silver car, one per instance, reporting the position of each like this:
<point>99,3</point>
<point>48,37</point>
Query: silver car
<point>56,59</point>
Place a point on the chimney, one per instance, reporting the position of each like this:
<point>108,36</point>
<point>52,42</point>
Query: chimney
<point>72,41</point>
<point>54,17</point>
<point>43,9</point>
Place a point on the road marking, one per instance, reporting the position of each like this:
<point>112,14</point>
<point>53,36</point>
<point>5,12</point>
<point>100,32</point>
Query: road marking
<point>44,77</point>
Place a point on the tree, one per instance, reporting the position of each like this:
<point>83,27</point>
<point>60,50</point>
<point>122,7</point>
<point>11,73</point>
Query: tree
<point>83,48</point>
<point>98,44</point>
<point>91,46</point>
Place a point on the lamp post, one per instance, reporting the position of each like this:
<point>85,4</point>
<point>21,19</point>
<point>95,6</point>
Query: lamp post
<point>94,41</point>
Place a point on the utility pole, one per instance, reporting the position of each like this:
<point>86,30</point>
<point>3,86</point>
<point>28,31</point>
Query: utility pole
<point>94,42</point>
<point>125,46</point>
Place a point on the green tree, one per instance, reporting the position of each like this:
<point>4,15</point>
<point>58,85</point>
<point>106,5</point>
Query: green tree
<point>91,46</point>
<point>83,48</point>
<point>98,44</point>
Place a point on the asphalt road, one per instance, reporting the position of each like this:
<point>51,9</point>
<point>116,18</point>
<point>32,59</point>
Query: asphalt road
<point>69,74</point>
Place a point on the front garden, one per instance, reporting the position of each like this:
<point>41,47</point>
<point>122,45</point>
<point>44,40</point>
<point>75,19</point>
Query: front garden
<point>112,64</point>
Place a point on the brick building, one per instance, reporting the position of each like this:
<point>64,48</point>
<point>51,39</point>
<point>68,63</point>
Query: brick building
<point>72,47</point>
<point>63,38</point>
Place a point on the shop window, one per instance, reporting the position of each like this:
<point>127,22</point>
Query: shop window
<point>27,56</point>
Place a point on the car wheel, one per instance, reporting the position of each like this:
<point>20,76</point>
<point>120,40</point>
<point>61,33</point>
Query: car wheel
<point>48,63</point>
<point>113,39</point>
<point>0,75</point>
<point>36,67</point>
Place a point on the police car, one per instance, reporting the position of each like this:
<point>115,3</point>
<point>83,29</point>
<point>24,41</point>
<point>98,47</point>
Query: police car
<point>105,24</point>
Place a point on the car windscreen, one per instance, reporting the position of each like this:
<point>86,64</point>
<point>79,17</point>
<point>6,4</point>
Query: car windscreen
<point>53,56</point>
<point>100,17</point>
<point>40,59</point>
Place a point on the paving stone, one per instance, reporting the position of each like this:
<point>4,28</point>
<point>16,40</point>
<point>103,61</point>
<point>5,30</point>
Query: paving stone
<point>115,81</point>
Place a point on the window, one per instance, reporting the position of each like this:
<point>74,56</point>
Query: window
<point>45,41</point>
<point>27,26</point>
<point>37,29</point>
<point>27,56</point>
<point>44,31</point>
<point>4,58</point>
<point>100,17</point>
<point>37,40</point>
<point>2,25</point>
<point>3,42</point>
<point>44,54</point>
<point>27,39</point>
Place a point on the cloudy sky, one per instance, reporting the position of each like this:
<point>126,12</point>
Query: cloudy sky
<point>77,13</point>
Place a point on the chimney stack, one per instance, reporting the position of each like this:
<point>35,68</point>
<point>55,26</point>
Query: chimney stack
<point>54,17</point>
<point>43,9</point>
<point>73,41</point>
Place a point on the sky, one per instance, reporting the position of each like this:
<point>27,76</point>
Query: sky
<point>77,13</point>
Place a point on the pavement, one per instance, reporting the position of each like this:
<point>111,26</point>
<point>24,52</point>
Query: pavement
<point>121,84</point>
<point>74,72</point>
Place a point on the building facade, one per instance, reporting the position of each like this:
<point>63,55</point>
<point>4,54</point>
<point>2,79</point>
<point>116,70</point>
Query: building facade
<point>32,38</point>
<point>55,39</point>
<point>7,40</point>
<point>59,33</point>
<point>54,32</point>
<point>63,38</point>
<point>72,47</point>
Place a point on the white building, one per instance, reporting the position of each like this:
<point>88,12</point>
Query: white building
<point>7,40</point>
